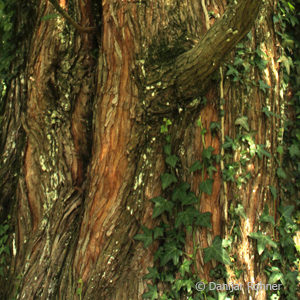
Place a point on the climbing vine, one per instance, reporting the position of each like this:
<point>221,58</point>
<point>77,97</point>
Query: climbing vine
<point>173,275</point>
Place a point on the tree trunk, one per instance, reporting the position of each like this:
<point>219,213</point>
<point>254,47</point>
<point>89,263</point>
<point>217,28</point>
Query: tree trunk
<point>82,148</point>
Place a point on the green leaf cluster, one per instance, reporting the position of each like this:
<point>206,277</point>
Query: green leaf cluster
<point>288,31</point>
<point>279,253</point>
<point>176,210</point>
<point>244,61</point>
<point>216,251</point>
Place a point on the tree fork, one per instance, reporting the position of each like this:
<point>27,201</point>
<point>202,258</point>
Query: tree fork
<point>180,80</point>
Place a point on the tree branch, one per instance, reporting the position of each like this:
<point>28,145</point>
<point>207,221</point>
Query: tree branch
<point>191,73</point>
<point>70,19</point>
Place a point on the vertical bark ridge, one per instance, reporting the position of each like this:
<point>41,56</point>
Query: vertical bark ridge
<point>113,130</point>
<point>255,193</point>
<point>49,193</point>
<point>129,30</point>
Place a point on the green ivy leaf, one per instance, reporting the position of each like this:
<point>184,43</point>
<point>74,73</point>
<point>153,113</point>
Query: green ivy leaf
<point>259,52</point>
<point>171,252</point>
<point>180,191</point>
<point>192,216</point>
<point>240,46</point>
<point>199,122</point>
<point>240,211</point>
<point>286,213</point>
<point>153,274</point>
<point>190,199</point>
<point>226,243</point>
<point>263,86</point>
<point>203,131</point>
<point>217,158</point>
<point>167,179</point>
<point>238,61</point>
<point>287,61</point>
<point>210,170</point>
<point>167,149</point>
<point>217,252</point>
<point>265,216</point>
<point>276,275</point>
<point>163,129</point>
<point>232,71</point>
<point>167,121</point>
<point>243,122</point>
<point>262,241</point>
<point>185,267</point>
<point>145,237</point>
<point>261,64</point>
<point>229,143</point>
<point>291,278</point>
<point>206,186</point>
<point>161,205</point>
<point>3,240</point>
<point>171,160</point>
<point>214,126</point>
<point>261,151</point>
<point>3,229</point>
<point>159,253</point>
<point>49,17</point>
<point>281,173</point>
<point>203,219</point>
<point>169,277</point>
<point>196,166</point>
<point>294,150</point>
<point>186,217</point>
<point>158,232</point>
<point>184,284</point>
<point>207,153</point>
<point>280,150</point>
<point>164,297</point>
<point>79,291</point>
<point>273,191</point>
<point>152,292</point>
<point>266,111</point>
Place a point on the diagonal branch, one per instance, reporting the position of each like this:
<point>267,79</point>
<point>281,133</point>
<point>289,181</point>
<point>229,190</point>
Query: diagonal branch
<point>189,76</point>
<point>70,19</point>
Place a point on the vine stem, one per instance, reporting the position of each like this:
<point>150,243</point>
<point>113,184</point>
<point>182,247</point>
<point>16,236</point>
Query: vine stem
<point>225,200</point>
